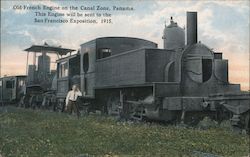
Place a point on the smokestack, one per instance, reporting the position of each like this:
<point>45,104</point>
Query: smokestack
<point>191,28</point>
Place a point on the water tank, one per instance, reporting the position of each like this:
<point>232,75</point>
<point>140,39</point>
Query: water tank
<point>173,36</point>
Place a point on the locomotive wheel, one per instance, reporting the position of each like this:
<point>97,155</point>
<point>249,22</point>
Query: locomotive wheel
<point>26,101</point>
<point>136,112</point>
<point>247,122</point>
<point>30,102</point>
<point>113,106</point>
<point>44,103</point>
<point>60,107</point>
<point>54,106</point>
<point>21,102</point>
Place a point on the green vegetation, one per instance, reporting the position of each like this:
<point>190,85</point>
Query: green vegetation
<point>26,132</point>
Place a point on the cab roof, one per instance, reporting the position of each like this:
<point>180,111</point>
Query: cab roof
<point>49,49</point>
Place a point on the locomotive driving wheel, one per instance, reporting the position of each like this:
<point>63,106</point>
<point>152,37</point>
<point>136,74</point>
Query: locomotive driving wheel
<point>113,106</point>
<point>247,122</point>
<point>59,106</point>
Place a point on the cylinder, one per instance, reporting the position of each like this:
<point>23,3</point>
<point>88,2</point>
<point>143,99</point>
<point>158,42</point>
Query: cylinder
<point>191,28</point>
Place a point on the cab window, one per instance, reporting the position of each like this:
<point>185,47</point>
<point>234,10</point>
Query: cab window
<point>103,53</point>
<point>86,62</point>
<point>63,69</point>
<point>9,84</point>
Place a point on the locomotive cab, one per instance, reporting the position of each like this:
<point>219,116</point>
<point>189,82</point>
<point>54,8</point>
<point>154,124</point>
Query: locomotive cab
<point>68,74</point>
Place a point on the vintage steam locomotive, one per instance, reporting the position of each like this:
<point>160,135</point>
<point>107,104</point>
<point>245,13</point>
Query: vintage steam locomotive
<point>133,78</point>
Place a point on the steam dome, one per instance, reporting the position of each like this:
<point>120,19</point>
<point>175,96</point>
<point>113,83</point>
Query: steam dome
<point>173,36</point>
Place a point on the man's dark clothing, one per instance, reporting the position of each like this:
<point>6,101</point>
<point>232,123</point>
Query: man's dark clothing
<point>73,106</point>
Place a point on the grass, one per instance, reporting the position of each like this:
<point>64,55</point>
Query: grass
<point>26,132</point>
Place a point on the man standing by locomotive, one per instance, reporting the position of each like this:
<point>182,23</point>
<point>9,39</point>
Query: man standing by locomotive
<point>71,100</point>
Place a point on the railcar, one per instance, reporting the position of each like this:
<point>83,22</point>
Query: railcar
<point>12,88</point>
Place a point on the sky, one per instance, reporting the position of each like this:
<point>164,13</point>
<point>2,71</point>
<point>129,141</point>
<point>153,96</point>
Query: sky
<point>222,25</point>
